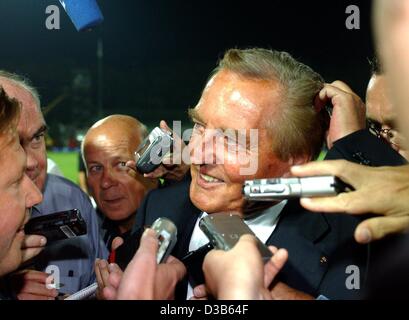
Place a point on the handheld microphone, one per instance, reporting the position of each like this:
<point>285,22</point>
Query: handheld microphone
<point>285,188</point>
<point>84,14</point>
<point>166,232</point>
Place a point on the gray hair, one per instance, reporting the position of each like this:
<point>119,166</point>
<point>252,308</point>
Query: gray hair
<point>9,115</point>
<point>300,129</point>
<point>22,82</point>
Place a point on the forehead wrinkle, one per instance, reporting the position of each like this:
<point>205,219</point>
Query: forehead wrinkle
<point>28,116</point>
<point>244,109</point>
<point>117,130</point>
<point>107,145</point>
<point>232,93</point>
<point>236,97</point>
<point>269,93</point>
<point>114,133</point>
<point>247,100</point>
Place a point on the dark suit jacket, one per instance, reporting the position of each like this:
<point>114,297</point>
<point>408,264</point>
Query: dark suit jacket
<point>364,148</point>
<point>320,246</point>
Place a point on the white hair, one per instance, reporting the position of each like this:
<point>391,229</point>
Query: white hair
<point>22,82</point>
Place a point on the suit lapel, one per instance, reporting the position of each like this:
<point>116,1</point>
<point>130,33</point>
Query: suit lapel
<point>302,233</point>
<point>185,230</point>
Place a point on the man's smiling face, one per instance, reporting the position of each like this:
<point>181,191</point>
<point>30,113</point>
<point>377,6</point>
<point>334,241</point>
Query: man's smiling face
<point>232,102</point>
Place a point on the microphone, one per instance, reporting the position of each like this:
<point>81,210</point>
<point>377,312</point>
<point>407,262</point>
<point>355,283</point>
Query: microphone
<point>286,188</point>
<point>166,233</point>
<point>84,14</point>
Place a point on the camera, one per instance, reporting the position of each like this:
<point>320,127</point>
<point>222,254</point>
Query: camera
<point>225,229</point>
<point>152,150</point>
<point>285,188</point>
<point>166,233</point>
<point>57,226</point>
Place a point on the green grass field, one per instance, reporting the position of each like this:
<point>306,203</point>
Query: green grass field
<point>67,162</point>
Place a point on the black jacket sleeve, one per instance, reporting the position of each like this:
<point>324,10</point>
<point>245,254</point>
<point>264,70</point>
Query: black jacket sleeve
<point>364,148</point>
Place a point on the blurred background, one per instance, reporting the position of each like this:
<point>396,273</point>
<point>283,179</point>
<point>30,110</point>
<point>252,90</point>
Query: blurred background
<point>150,59</point>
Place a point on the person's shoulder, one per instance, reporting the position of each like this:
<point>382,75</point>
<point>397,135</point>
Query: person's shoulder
<point>66,194</point>
<point>177,189</point>
<point>172,202</point>
<point>365,148</point>
<point>53,180</point>
<point>331,227</point>
<point>68,188</point>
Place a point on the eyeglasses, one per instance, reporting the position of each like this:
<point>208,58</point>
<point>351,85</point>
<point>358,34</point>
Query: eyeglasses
<point>376,129</point>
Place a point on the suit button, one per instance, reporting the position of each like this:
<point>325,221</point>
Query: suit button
<point>323,260</point>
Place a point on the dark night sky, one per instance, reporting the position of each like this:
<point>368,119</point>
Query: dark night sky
<point>158,53</point>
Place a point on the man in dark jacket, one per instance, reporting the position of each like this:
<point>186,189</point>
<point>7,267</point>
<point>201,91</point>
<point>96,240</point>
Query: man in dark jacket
<point>271,92</point>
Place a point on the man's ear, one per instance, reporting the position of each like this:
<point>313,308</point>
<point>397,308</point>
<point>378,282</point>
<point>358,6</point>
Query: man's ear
<point>299,160</point>
<point>296,162</point>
